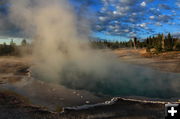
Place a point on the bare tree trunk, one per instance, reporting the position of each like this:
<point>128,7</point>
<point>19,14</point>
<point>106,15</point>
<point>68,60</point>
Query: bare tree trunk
<point>163,42</point>
<point>134,44</point>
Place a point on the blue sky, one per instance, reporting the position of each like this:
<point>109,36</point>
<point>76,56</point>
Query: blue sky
<point>124,19</point>
<point>116,19</point>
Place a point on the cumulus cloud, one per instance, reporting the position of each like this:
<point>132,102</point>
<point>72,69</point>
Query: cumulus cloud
<point>115,17</point>
<point>103,18</point>
<point>152,17</point>
<point>178,3</point>
<point>158,24</point>
<point>143,25</point>
<point>134,16</point>
<point>143,4</point>
<point>164,18</point>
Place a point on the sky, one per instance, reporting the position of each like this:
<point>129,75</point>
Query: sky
<point>116,19</point>
<point>124,19</point>
<point>7,40</point>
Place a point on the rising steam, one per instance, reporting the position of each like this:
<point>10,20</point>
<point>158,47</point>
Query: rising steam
<point>63,55</point>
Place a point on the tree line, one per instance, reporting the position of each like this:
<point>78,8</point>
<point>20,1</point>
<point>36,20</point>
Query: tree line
<point>13,49</point>
<point>158,43</point>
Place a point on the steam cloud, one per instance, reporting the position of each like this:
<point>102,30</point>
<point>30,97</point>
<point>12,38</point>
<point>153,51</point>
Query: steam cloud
<point>63,55</point>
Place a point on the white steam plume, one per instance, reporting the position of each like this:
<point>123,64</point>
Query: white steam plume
<point>52,25</point>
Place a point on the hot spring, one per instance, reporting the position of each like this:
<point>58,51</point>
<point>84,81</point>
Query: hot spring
<point>122,80</point>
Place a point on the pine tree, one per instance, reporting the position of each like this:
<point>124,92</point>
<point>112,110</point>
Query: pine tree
<point>24,42</point>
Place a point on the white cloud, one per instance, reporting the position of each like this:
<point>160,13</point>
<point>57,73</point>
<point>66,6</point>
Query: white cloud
<point>103,9</point>
<point>143,25</point>
<point>111,27</point>
<point>178,3</point>
<point>158,24</point>
<point>116,22</point>
<point>152,17</point>
<point>143,4</point>
<point>131,19</point>
<point>102,18</point>
<point>117,13</point>
<point>126,30</point>
<point>123,9</point>
<point>116,30</point>
<point>132,34</point>
<point>134,14</point>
